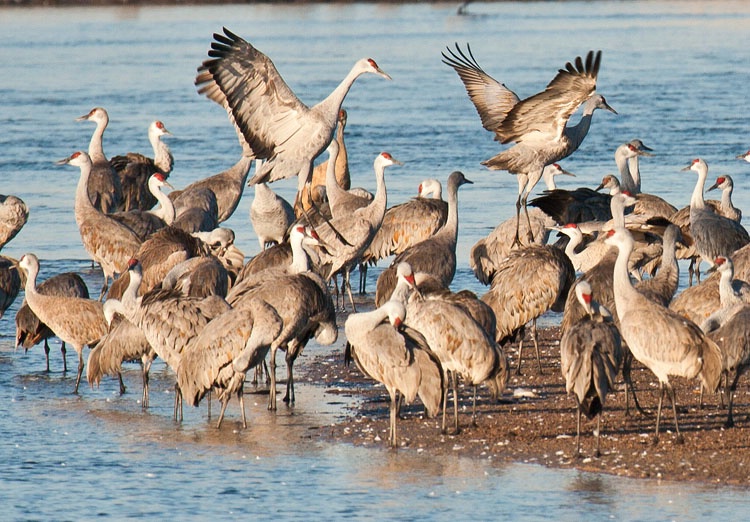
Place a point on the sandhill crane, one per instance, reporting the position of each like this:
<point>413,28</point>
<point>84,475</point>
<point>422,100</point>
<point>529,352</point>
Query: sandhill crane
<point>662,287</point>
<point>271,122</point>
<point>590,353</point>
<point>168,319</point>
<point>744,156</point>
<point>714,235</point>
<point>435,255</point>
<point>134,170</point>
<point>360,227</point>
<point>30,330</point>
<point>123,342</point>
<point>727,208</point>
<point>10,283</point>
<point>532,280</point>
<point>103,187</point>
<point>539,124</point>
<point>660,339</point>
<point>220,355</point>
<point>461,345</point>
<point>405,225</point>
<point>304,304</point>
<point>158,255</point>
<point>627,157</point>
<point>340,165</point>
<point>108,242</point>
<point>732,335</point>
<point>227,187</point>
<point>13,216</point>
<point>199,277</point>
<point>75,320</point>
<point>399,358</point>
<point>146,222</point>
<point>271,215</point>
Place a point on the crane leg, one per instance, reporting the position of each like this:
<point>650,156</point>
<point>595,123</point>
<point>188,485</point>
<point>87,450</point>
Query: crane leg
<point>578,426</point>
<point>454,378</point>
<point>144,374</point>
<point>362,278</point>
<point>516,240</point>
<point>347,282</point>
<point>680,439</point>
<point>272,391</point>
<point>80,370</point>
<point>730,397</point>
<point>598,453</point>
<point>224,402</point>
<point>520,356</point>
<point>474,408</point>
<point>445,399</point>
<point>241,399</point>
<point>658,412</point>
<point>289,397</point>
<point>64,352</point>
<point>393,415</point>
<point>46,353</point>
<point>529,232</point>
<point>627,364</point>
<point>123,389</point>
<point>536,345</point>
<point>177,403</point>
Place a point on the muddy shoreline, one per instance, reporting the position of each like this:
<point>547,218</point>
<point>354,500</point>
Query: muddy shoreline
<point>537,423</point>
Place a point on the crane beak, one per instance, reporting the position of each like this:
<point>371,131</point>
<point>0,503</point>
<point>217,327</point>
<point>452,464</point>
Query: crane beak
<point>714,186</point>
<point>608,107</point>
<point>686,168</point>
<point>567,173</point>
<point>644,152</point>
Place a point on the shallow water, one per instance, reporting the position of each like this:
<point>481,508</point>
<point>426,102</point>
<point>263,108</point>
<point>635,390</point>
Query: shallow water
<point>675,71</point>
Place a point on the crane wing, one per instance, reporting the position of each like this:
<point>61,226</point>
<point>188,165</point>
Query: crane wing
<point>492,99</point>
<point>548,111</point>
<point>243,80</point>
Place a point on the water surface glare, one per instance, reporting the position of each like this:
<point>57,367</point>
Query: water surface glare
<point>675,71</point>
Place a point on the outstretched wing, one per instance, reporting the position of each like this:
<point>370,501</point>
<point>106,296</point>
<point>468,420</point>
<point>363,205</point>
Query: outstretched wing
<point>492,99</point>
<point>246,83</point>
<point>548,111</point>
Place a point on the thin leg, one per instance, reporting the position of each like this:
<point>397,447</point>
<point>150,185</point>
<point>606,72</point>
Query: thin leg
<point>474,408</point>
<point>578,426</point>
<point>658,412</point>
<point>64,352</point>
<point>123,389</point>
<point>362,278</point>
<point>516,240</point>
<point>347,282</point>
<point>730,397</point>
<point>144,374</point>
<point>454,379</point>
<point>289,397</point>
<point>445,399</point>
<point>627,364</point>
<point>598,454</point>
<point>272,391</point>
<point>680,439</point>
<point>241,398</point>
<point>536,345</point>
<point>224,402</point>
<point>520,355</point>
<point>529,232</point>
<point>80,370</point>
<point>46,353</point>
<point>393,411</point>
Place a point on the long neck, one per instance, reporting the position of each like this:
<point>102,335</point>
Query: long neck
<point>163,158</point>
<point>626,180</point>
<point>300,261</point>
<point>570,249</point>
<point>578,132</point>
<point>333,189</point>
<point>401,291</point>
<point>617,207</point>
<point>696,201</point>
<point>549,179</point>
<point>380,201</point>
<point>82,202</point>
<point>726,198</point>
<point>634,168</point>
<point>332,103</point>
<point>625,294</point>
<point>727,296</point>
<point>166,211</point>
<point>342,161</point>
<point>96,149</point>
<point>362,323</point>
<point>450,228</point>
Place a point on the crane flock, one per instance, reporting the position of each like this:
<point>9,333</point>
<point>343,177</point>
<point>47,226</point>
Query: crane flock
<point>182,291</point>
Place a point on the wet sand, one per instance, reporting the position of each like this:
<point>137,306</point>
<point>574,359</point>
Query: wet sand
<point>537,424</point>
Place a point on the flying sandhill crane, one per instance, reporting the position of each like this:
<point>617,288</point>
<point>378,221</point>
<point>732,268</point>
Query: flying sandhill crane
<point>103,187</point>
<point>227,187</point>
<point>405,225</point>
<point>359,228</point>
<point>660,339</point>
<point>400,358</point>
<point>435,255</point>
<point>532,280</point>
<point>108,242</point>
<point>590,353</point>
<point>75,320</point>
<point>460,343</point>
<point>30,330</point>
<point>340,165</point>
<point>271,215</point>
<point>539,124</point>
<point>134,170</point>
<point>732,335</point>
<point>499,242</point>
<point>146,222</point>
<point>271,122</point>
<point>13,216</point>
<point>714,235</point>
<point>224,351</point>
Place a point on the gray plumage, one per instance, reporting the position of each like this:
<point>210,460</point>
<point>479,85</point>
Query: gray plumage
<point>539,124</point>
<point>590,357</point>
<point>220,355</point>
<point>196,210</point>
<point>10,283</point>
<point>271,122</point>
<point>271,215</point>
<point>726,207</point>
<point>135,169</point>
<point>146,222</point>
<point>30,330</point>
<point>75,320</point>
<point>13,216</point>
<point>108,242</point>
<point>103,186</point>
<point>395,356</point>
<point>714,235</point>
<point>663,341</point>
<point>435,255</point>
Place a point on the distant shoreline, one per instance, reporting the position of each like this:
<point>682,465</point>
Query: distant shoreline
<point>142,3</point>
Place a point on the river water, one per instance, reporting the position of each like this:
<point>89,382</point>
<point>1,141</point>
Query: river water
<point>675,71</point>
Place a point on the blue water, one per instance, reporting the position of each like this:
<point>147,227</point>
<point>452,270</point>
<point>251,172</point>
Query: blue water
<point>675,71</point>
